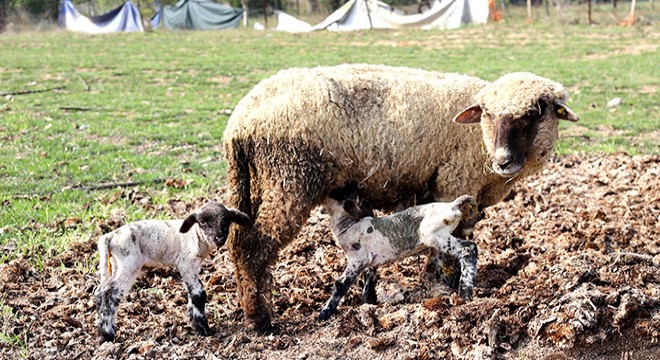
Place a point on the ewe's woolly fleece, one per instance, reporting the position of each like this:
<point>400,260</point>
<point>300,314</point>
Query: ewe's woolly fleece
<point>517,93</point>
<point>390,128</point>
<point>382,126</point>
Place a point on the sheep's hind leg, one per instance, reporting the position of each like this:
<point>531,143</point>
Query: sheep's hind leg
<point>342,284</point>
<point>196,302</point>
<point>107,301</point>
<point>369,289</point>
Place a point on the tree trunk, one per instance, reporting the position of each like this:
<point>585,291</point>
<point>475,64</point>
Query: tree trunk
<point>589,10</point>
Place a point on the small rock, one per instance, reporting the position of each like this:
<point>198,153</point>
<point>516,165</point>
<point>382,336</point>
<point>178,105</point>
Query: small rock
<point>616,102</point>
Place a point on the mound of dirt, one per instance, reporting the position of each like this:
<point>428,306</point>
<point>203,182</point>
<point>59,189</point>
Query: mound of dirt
<point>569,267</point>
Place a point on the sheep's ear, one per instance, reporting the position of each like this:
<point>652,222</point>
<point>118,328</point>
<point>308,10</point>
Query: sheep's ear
<point>188,223</point>
<point>239,217</point>
<point>470,115</point>
<point>352,208</point>
<point>564,112</point>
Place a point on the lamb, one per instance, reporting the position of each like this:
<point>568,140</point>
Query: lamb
<point>155,243</point>
<point>369,242</point>
<point>305,132</point>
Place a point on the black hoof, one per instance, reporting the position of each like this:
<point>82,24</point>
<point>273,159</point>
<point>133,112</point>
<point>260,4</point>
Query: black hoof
<point>369,299</point>
<point>201,327</point>
<point>106,336</point>
<point>466,294</point>
<point>325,314</point>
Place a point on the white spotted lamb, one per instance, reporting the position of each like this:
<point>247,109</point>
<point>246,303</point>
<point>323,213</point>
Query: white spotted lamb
<point>156,243</point>
<point>369,242</point>
<point>303,133</point>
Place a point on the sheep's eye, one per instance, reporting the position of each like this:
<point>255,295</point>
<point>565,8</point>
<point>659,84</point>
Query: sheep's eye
<point>542,105</point>
<point>490,117</point>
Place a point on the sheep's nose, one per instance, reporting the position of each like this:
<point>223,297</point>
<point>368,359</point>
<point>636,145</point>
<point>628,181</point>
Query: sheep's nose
<point>503,158</point>
<point>504,165</point>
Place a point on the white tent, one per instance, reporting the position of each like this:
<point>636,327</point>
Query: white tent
<point>123,18</point>
<point>373,14</point>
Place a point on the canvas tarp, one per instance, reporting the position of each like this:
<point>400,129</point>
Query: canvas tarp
<point>124,18</point>
<point>201,15</point>
<point>373,14</point>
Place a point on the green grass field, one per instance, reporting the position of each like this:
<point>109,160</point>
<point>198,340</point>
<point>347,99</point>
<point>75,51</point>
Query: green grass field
<point>151,106</point>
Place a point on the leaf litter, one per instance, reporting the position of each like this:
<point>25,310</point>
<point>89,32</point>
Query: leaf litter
<point>569,268</point>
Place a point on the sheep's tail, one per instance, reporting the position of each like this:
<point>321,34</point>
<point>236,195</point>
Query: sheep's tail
<point>105,267</point>
<point>238,176</point>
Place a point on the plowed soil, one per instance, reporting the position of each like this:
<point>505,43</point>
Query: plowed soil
<point>569,267</point>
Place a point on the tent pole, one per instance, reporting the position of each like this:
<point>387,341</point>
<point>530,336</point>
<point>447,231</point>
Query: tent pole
<point>366,3</point>
<point>244,4</point>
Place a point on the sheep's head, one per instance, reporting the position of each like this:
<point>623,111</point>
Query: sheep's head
<point>214,219</point>
<point>347,200</point>
<point>471,214</point>
<point>519,115</point>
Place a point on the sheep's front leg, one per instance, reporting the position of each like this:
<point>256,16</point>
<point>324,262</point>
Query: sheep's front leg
<point>196,301</point>
<point>342,284</point>
<point>466,253</point>
<point>446,267</point>
<point>369,288</point>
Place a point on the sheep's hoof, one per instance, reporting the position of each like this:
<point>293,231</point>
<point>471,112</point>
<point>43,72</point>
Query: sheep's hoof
<point>370,298</point>
<point>325,314</point>
<point>466,294</point>
<point>201,327</point>
<point>106,337</point>
<point>203,331</point>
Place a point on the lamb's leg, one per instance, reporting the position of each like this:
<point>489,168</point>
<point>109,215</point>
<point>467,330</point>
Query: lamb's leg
<point>108,297</point>
<point>196,301</point>
<point>342,284</point>
<point>466,253</point>
<point>447,267</point>
<point>369,288</point>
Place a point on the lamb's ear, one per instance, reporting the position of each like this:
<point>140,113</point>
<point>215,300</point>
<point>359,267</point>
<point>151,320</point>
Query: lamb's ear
<point>353,209</point>
<point>564,112</point>
<point>188,223</point>
<point>470,115</point>
<point>239,217</point>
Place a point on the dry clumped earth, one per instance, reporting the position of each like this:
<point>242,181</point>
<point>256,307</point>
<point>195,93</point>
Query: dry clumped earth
<point>569,268</point>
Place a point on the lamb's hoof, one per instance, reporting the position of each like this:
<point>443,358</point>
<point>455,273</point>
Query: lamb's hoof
<point>370,298</point>
<point>325,314</point>
<point>106,337</point>
<point>466,294</point>
<point>203,330</point>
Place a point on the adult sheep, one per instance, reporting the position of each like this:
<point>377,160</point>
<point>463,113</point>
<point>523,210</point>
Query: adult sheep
<point>304,132</point>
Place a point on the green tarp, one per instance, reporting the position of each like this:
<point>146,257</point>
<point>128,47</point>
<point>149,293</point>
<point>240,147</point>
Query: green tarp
<point>201,15</point>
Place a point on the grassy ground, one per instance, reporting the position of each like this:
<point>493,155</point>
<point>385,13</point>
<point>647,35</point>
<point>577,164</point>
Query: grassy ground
<point>152,106</point>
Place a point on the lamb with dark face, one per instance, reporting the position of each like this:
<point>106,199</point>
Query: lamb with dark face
<point>156,243</point>
<point>369,242</point>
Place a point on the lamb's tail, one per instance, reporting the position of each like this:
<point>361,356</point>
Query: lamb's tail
<point>105,267</point>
